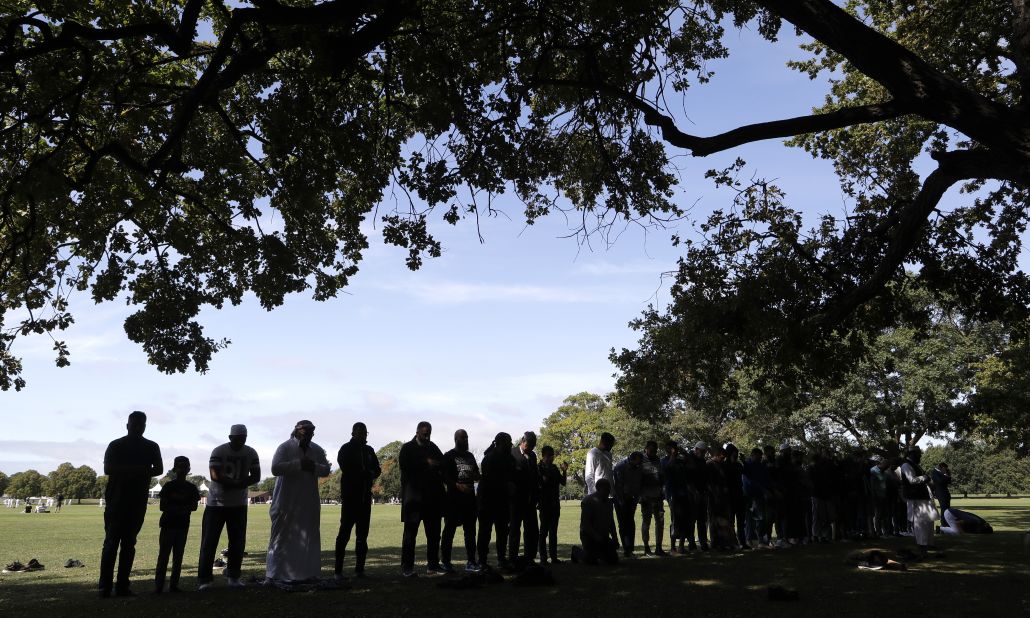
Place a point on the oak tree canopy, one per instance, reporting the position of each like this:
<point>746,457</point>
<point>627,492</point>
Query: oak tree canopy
<point>146,146</point>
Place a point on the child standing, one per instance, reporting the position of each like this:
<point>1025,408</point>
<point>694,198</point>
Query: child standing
<point>179,498</point>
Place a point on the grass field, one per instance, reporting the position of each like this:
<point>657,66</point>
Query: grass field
<point>979,575</point>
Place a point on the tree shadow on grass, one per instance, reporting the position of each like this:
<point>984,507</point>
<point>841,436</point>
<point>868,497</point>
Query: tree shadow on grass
<point>985,575</point>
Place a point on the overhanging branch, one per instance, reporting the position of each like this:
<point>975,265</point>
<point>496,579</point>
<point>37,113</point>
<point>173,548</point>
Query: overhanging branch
<point>703,146</point>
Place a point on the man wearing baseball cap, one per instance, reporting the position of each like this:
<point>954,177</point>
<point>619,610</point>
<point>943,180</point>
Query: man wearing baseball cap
<point>234,467</point>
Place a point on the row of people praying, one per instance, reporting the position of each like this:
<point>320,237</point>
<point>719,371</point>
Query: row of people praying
<point>715,501</point>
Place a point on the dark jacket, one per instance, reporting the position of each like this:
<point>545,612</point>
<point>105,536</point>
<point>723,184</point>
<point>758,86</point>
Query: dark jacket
<point>359,468</point>
<point>422,488</point>
<point>527,476</point>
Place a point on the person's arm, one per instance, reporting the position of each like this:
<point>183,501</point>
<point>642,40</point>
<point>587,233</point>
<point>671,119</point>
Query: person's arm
<point>564,476</point>
<point>280,462</point>
<point>909,474</point>
<point>611,528</point>
<point>322,465</point>
<point>588,472</point>
<point>254,474</point>
<point>157,466</point>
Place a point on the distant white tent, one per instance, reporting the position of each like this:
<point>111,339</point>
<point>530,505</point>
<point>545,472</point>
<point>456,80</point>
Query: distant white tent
<point>155,490</point>
<point>203,487</point>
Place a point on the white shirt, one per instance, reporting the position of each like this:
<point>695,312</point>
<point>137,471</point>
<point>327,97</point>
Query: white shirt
<point>234,466</point>
<point>599,466</point>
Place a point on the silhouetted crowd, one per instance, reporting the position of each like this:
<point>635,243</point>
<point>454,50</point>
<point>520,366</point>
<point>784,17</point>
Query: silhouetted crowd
<point>717,499</point>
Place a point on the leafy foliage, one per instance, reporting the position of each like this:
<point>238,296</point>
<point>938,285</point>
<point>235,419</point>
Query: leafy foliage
<point>388,485</point>
<point>977,468</point>
<point>26,484</point>
<point>913,379</point>
<point>71,482</point>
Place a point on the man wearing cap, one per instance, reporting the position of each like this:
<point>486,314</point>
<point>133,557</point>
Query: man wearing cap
<point>295,543</point>
<point>129,463</point>
<point>234,467</point>
<point>359,468</point>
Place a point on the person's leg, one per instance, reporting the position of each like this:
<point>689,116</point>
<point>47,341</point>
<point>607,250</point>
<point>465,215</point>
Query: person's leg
<point>408,544</point>
<point>109,553</point>
<point>545,529</point>
<point>343,536</point>
<point>447,540</point>
<point>127,553</point>
<point>164,548</point>
<point>178,549</point>
<point>468,527</point>
<point>236,527</point>
<point>483,541</point>
<point>689,519</point>
<point>210,533</point>
<point>432,527</point>
<point>514,528</point>
<point>362,520</point>
<point>502,524</point>
<point>532,529</point>
<point>646,515</point>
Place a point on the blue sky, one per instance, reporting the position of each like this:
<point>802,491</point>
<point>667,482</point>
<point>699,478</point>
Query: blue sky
<point>488,337</point>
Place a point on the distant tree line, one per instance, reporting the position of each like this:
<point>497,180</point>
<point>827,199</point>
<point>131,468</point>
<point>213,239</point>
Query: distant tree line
<point>67,480</point>
<point>976,468</point>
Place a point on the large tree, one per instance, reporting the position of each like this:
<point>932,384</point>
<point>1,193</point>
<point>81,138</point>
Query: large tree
<point>72,482</point>
<point>915,378</point>
<point>145,157</point>
<point>26,484</point>
<point>576,427</point>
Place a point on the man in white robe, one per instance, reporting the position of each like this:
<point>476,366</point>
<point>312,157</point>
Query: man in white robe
<point>916,491</point>
<point>295,545</point>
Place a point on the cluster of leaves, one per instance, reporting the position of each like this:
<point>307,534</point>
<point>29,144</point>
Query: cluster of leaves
<point>388,485</point>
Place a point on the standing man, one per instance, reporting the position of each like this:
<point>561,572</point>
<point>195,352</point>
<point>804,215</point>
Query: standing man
<point>129,463</point>
<point>234,467</point>
<point>460,472</point>
<point>527,496</point>
<point>756,491</point>
<point>697,496</point>
<point>495,491</point>
<point>651,503</point>
<point>940,479</point>
<point>552,479</point>
<point>628,475</point>
<point>295,543</point>
<point>599,462</point>
<point>422,498</point>
<point>916,491</point>
<point>674,475</point>
<point>359,468</point>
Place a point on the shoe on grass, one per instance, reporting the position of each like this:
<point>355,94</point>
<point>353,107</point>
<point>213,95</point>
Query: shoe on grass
<point>234,582</point>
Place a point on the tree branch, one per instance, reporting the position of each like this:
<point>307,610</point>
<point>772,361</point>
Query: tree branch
<point>703,146</point>
<point>906,76</point>
<point>912,219</point>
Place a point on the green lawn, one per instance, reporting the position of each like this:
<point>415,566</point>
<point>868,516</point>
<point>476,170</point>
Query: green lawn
<point>985,575</point>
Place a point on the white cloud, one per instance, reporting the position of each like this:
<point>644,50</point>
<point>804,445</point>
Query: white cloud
<point>446,292</point>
